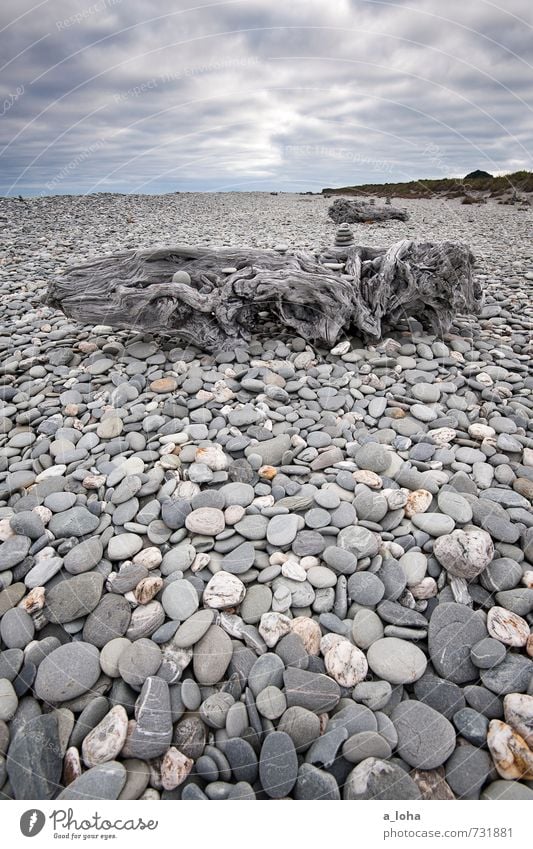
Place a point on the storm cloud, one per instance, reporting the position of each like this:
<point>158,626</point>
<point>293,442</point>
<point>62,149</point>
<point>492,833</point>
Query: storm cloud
<point>142,97</point>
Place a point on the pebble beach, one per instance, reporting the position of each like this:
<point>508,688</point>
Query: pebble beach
<point>279,572</point>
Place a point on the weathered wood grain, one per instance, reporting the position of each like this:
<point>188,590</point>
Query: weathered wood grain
<point>343,210</point>
<point>217,308</point>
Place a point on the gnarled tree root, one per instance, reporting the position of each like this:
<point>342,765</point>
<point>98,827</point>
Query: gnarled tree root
<point>231,292</point>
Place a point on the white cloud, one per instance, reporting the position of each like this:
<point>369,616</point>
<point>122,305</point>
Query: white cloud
<point>260,94</point>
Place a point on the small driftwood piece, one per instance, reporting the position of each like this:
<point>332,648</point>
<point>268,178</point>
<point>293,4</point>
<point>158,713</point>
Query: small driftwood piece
<point>227,294</point>
<point>347,211</point>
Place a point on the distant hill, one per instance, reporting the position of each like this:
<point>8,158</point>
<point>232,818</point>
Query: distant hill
<point>477,175</point>
<point>450,187</point>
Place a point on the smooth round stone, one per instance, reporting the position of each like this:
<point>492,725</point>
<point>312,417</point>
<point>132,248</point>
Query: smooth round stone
<point>17,628</point>
<point>426,739</point>
<point>67,672</point>
<point>453,630</point>
<point>487,653</point>
<point>271,703</point>
<point>282,530</point>
<point>242,760</point>
<point>267,670</point>
<point>513,675</point>
<point>376,779</point>
<point>258,600</point>
<point>467,771</point>
<point>8,700</point>
<point>373,694</point>
<point>110,619</point>
<point>414,566</point>
<point>317,518</point>
<point>443,695</point>
<point>502,573</point>
<point>342,561</point>
<point>13,551</point>
<point>367,628</point>
<point>110,656</point>
<point>435,524</point>
<point>320,577</point>
<point>74,597</point>
<point>104,781</point>
<point>302,726</point>
<point>252,527</point>
<point>327,499</point>
<point>27,524</point>
<point>454,505</point>
<point>84,556</point>
<point>212,656</point>
<point>124,546</point>
<point>237,720</point>
<point>238,494</point>
<point>396,661</point>
<point>428,393</point>
<point>58,502</point>
<point>366,744</point>
<point>423,413</point>
<point>191,695</point>
<point>207,521</point>
<point>314,783</point>
<point>373,457</point>
<point>278,765</point>
<point>140,660</point>
<point>240,559</point>
<point>193,629</point>
<point>180,600</point>
<point>11,661</point>
<point>75,522</point>
<point>365,588</point>
<point>308,543</point>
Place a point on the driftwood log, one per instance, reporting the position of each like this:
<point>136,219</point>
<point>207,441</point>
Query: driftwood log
<point>221,296</point>
<point>347,211</point>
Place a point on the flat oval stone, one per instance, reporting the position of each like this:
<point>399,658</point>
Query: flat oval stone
<point>84,556</point>
<point>207,521</point>
<point>74,597</point>
<point>67,672</point>
<point>453,630</point>
<point>76,522</point>
<point>278,765</point>
<point>240,559</point>
<point>396,661</point>
<point>104,781</point>
<point>124,546</point>
<point>109,619</point>
<point>212,655</point>
<point>193,629</point>
<point>314,783</point>
<point>426,739</point>
<point>180,600</point>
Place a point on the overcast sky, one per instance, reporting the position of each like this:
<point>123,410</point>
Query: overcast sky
<point>294,95</point>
